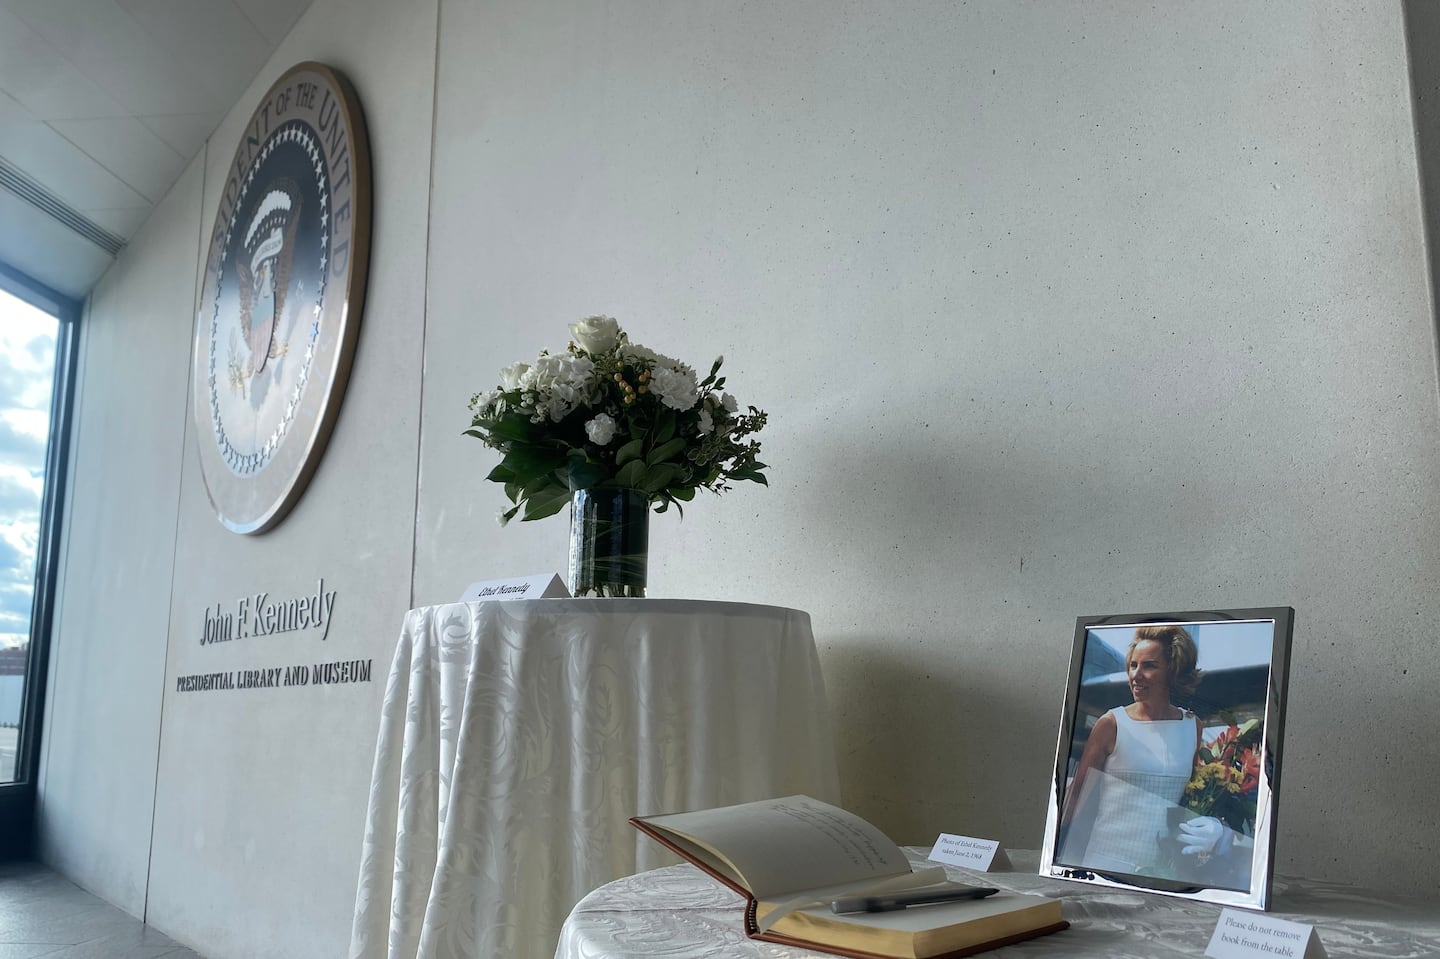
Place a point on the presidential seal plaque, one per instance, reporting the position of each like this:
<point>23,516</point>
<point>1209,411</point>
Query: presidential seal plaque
<point>283,293</point>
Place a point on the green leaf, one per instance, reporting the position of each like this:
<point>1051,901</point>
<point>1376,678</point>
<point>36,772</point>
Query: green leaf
<point>515,428</point>
<point>664,425</point>
<point>664,451</point>
<point>686,493</point>
<point>584,474</point>
<point>478,434</point>
<point>658,477</point>
<point>525,461</point>
<point>501,474</point>
<point>629,475</point>
<point>754,476</point>
<point>546,503</point>
<point>629,451</point>
<point>512,490</point>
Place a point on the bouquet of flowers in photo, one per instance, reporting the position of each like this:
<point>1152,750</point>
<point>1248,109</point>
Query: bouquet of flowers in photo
<point>1227,777</point>
<point>610,414</point>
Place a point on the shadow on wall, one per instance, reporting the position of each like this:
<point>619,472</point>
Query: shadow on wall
<point>1422,38</point>
<point>916,746</point>
<point>1029,533</point>
<point>951,677</point>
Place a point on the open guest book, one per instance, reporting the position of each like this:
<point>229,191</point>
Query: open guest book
<point>790,858</point>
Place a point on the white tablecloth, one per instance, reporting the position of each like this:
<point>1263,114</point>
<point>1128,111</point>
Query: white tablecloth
<point>680,913</point>
<point>518,738</point>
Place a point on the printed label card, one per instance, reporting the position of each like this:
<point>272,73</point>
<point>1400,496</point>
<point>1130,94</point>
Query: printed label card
<point>539,586</point>
<point>1241,935</point>
<point>982,855</point>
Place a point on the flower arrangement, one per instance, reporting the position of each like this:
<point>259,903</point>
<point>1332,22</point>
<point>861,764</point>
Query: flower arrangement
<point>1224,783</point>
<point>611,414</point>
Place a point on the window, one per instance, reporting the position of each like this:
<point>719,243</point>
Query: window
<point>36,370</point>
<point>27,380</point>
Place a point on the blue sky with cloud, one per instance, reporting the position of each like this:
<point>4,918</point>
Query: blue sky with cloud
<point>27,369</point>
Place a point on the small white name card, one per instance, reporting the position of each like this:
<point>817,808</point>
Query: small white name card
<point>1240,935</point>
<point>539,586</point>
<point>978,854</point>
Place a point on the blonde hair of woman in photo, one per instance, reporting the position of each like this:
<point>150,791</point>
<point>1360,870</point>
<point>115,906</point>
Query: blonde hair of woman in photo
<point>1136,763</point>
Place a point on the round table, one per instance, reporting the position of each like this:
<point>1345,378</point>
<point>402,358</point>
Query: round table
<point>681,913</point>
<point>517,738</point>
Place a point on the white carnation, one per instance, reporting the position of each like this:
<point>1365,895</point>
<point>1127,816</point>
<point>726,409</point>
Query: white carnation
<point>729,402</point>
<point>706,423</point>
<point>677,389</point>
<point>601,429</point>
<point>511,376</point>
<point>529,378</point>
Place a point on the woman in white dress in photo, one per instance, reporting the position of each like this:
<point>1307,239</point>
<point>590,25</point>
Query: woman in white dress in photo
<point>1136,763</point>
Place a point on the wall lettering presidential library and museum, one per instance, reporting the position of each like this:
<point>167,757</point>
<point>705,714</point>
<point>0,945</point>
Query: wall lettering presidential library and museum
<point>263,614</point>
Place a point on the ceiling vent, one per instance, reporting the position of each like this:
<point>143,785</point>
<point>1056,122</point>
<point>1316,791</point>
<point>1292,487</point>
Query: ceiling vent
<point>18,183</point>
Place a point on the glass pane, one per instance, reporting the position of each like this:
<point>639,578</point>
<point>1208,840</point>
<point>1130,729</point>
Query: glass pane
<point>27,372</point>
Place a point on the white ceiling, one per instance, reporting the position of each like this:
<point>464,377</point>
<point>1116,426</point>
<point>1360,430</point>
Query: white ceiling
<point>103,103</point>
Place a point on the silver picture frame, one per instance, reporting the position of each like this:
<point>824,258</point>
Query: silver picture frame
<point>1132,804</point>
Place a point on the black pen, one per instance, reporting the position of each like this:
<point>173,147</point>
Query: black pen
<point>914,897</point>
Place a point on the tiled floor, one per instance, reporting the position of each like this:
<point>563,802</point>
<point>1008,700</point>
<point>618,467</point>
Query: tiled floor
<point>45,915</point>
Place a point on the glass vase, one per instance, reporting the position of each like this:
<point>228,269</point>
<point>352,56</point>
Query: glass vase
<point>609,542</point>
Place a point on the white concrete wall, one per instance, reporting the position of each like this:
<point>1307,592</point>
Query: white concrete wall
<point>96,786</point>
<point>257,798</point>
<point>1057,310</point>
<point>260,802</point>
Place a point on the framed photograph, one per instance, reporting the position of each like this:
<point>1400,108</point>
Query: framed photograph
<point>1167,770</point>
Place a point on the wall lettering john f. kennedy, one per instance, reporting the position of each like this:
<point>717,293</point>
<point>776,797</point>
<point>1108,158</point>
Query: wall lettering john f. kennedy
<point>265,614</point>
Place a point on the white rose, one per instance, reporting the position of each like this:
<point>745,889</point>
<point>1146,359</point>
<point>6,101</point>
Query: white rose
<point>596,334</point>
<point>729,402</point>
<point>601,429</point>
<point>706,423</point>
<point>677,389</point>
<point>510,376</point>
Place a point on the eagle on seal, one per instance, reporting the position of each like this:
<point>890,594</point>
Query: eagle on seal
<point>264,269</point>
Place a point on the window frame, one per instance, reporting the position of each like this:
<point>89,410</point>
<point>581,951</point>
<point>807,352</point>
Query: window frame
<point>17,799</point>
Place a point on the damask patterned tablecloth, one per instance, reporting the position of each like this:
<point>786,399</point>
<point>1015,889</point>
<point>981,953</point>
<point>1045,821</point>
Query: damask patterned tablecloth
<point>517,739</point>
<point>680,913</point>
